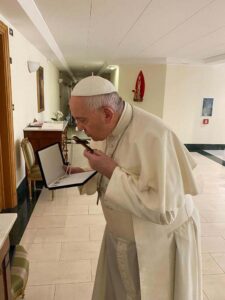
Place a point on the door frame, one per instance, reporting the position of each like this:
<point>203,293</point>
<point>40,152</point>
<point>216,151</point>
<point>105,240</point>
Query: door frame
<point>7,149</point>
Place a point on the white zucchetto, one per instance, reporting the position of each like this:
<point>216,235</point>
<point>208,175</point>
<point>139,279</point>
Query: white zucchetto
<point>93,86</point>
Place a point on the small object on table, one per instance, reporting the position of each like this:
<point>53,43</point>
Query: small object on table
<point>35,124</point>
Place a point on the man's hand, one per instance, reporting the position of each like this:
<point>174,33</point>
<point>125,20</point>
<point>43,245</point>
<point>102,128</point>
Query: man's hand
<point>100,162</point>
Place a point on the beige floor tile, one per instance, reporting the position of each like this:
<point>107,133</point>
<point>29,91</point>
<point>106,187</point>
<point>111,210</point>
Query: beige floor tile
<point>205,297</point>
<point>61,196</point>
<point>68,210</point>
<point>213,244</point>
<point>206,203</point>
<point>43,273</point>
<point>213,286</point>
<point>70,234</point>
<point>65,193</point>
<point>41,205</point>
<point>77,291</point>
<point>43,252</point>
<point>202,219</point>
<point>216,205</point>
<point>220,259</point>
<point>209,265</point>
<point>96,232</point>
<point>95,209</point>
<point>213,216</point>
<point>46,221</point>
<point>209,201</point>
<point>213,229</point>
<point>94,263</point>
<point>39,209</point>
<point>46,195</point>
<point>214,188</point>
<point>210,198</point>
<point>80,250</point>
<point>41,292</point>
<point>72,221</point>
<point>83,199</point>
<point>28,236</point>
<point>58,200</point>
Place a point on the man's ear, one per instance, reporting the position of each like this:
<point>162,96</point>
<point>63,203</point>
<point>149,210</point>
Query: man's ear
<point>108,113</point>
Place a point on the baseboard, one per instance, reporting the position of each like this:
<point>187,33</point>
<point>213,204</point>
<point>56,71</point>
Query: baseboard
<point>199,147</point>
<point>22,191</point>
<point>23,209</point>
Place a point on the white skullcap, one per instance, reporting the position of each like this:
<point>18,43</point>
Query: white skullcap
<point>93,86</point>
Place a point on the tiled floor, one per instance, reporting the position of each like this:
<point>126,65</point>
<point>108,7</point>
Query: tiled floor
<point>63,239</point>
<point>218,153</point>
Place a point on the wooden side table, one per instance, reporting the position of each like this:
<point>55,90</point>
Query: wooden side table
<point>43,137</point>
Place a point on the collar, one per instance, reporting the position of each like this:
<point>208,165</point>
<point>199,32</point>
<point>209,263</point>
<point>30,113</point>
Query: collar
<point>124,120</point>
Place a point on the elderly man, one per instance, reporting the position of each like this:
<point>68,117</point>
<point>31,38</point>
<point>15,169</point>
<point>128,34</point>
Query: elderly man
<point>150,249</point>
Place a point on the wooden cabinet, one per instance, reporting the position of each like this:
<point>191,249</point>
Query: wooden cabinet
<point>5,283</point>
<point>6,223</point>
<point>41,138</point>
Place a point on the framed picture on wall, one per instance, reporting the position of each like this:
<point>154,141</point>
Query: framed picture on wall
<point>207,107</point>
<point>40,89</point>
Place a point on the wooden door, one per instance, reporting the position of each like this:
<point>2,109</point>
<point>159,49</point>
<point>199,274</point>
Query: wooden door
<point>2,205</point>
<point>8,198</point>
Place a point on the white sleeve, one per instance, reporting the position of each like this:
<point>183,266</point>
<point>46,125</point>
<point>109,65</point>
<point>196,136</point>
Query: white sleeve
<point>123,194</point>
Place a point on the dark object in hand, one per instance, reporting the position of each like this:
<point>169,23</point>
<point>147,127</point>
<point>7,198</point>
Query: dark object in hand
<point>84,143</point>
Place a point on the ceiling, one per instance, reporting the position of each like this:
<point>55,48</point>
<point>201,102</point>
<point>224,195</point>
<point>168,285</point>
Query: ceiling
<point>85,36</point>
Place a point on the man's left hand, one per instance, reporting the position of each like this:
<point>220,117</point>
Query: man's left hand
<point>101,162</point>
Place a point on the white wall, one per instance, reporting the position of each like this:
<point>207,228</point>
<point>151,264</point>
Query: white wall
<point>24,90</point>
<point>175,93</point>
<point>155,76</point>
<point>186,86</point>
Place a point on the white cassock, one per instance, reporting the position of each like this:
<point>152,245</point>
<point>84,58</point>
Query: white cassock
<point>151,248</point>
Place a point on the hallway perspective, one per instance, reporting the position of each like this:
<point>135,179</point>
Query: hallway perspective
<point>63,239</point>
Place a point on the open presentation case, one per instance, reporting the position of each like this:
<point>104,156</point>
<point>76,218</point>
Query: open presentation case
<point>51,162</point>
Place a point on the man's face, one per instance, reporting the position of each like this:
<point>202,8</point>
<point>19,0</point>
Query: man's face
<point>91,121</point>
